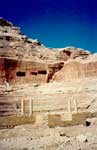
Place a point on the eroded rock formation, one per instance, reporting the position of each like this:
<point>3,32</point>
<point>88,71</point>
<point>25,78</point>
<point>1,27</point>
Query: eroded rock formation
<point>76,70</point>
<point>24,60</point>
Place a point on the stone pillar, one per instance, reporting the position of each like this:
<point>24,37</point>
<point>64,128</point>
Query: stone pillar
<point>7,86</point>
<point>30,107</point>
<point>22,107</point>
<point>75,105</point>
<point>69,106</point>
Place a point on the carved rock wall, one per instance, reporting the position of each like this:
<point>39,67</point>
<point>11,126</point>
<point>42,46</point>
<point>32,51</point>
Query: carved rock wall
<point>24,60</point>
<point>19,71</point>
<point>76,70</point>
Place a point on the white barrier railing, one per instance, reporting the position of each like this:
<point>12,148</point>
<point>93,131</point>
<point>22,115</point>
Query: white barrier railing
<point>30,106</point>
<point>23,106</point>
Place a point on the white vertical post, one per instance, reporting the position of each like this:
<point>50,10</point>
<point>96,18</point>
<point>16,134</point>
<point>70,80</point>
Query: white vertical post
<point>75,106</point>
<point>22,107</point>
<point>7,86</point>
<point>69,105</point>
<point>30,107</point>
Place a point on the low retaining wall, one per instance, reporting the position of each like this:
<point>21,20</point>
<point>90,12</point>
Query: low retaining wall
<point>77,119</point>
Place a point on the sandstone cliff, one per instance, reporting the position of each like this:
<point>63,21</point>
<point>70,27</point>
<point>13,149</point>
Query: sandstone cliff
<point>26,60</point>
<point>68,73</point>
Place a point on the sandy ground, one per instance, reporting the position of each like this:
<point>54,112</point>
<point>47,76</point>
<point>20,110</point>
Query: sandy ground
<point>32,137</point>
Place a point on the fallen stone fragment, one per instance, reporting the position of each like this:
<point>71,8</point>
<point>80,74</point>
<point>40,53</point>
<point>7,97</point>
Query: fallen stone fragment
<point>82,138</point>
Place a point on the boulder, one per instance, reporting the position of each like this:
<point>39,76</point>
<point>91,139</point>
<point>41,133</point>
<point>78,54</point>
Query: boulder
<point>82,138</point>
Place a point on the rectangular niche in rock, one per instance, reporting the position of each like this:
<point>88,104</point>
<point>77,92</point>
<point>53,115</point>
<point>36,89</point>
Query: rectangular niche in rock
<point>33,73</point>
<point>20,74</point>
<point>44,72</point>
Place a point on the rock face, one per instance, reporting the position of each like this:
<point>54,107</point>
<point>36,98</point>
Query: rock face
<point>76,70</point>
<point>23,60</point>
<point>26,63</point>
<point>5,23</point>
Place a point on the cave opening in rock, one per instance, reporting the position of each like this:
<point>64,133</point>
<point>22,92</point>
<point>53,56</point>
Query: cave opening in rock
<point>87,123</point>
<point>33,73</point>
<point>44,72</point>
<point>8,38</point>
<point>20,74</point>
<point>68,53</point>
<point>7,77</point>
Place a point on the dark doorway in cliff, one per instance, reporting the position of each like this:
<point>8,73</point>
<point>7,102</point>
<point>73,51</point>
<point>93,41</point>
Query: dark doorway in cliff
<point>68,53</point>
<point>44,72</point>
<point>7,77</point>
<point>21,74</point>
<point>87,123</point>
<point>33,73</point>
<point>7,38</point>
<point>9,68</point>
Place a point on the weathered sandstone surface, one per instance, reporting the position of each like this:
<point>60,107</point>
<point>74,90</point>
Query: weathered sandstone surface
<point>46,87</point>
<point>26,60</point>
<point>48,76</point>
